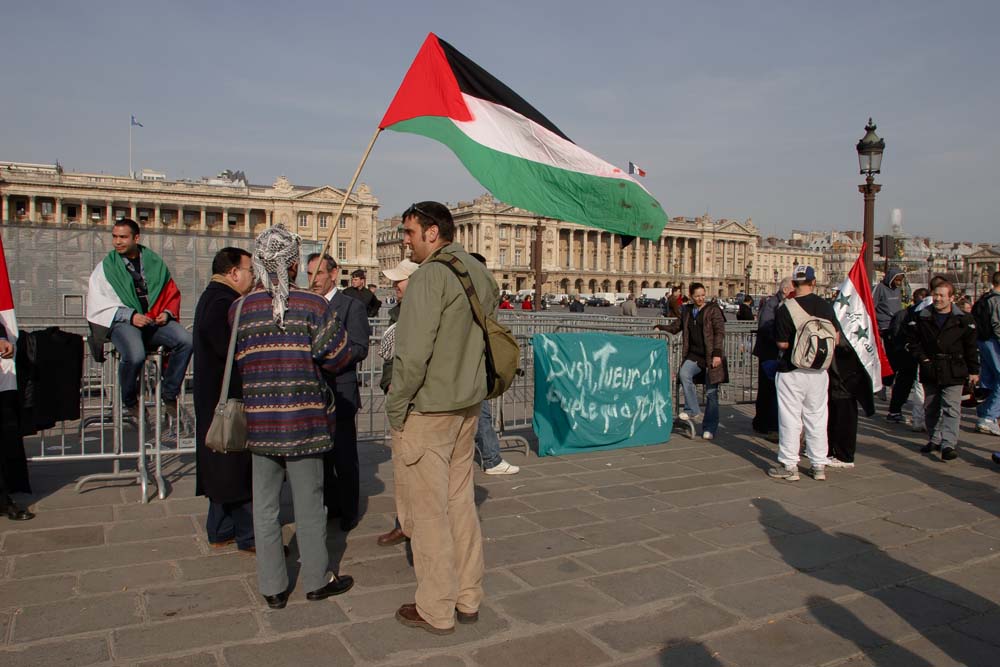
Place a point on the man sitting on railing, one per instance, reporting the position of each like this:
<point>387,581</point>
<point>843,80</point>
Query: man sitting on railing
<point>132,296</point>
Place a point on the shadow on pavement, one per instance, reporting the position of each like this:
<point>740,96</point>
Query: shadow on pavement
<point>882,578</point>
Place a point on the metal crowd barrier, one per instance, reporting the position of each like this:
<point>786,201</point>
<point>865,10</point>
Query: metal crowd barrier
<point>101,434</point>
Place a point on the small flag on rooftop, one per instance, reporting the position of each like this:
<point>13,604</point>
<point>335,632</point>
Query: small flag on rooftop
<point>635,170</point>
<point>136,123</point>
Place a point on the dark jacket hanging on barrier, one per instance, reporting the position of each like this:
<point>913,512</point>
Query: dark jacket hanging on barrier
<point>13,462</point>
<point>49,372</point>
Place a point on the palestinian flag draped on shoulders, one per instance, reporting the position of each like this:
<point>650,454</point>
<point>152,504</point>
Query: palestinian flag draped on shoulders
<point>855,311</point>
<point>518,154</point>
<point>111,287</point>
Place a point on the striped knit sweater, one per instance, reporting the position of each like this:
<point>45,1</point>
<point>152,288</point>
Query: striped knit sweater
<point>289,409</point>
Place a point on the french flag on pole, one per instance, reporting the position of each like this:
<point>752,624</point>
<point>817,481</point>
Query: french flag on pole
<point>635,170</point>
<point>135,123</point>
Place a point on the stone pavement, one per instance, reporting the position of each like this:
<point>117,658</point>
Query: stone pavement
<point>676,554</point>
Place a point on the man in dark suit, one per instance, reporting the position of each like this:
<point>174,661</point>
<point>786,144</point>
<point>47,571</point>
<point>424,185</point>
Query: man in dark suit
<point>340,465</point>
<point>226,479</point>
<point>360,291</point>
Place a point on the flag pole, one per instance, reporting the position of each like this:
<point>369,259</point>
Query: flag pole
<point>343,204</point>
<point>130,146</point>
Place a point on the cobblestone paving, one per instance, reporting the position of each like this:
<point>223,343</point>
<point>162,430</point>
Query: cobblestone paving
<point>677,554</point>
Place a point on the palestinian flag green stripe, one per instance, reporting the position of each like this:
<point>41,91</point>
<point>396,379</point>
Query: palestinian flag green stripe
<point>153,267</point>
<point>559,193</point>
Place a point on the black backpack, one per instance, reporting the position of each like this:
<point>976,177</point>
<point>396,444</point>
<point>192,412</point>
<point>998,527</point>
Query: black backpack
<point>981,313</point>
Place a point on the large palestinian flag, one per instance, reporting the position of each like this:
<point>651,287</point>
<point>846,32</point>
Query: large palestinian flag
<point>855,311</point>
<point>111,288</point>
<point>512,149</point>
<point>8,375</point>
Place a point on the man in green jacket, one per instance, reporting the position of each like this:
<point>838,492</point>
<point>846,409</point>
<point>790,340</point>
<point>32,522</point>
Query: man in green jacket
<point>438,384</point>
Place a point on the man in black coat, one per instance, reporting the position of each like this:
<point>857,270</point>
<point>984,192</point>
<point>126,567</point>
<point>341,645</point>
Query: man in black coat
<point>943,341</point>
<point>765,420</point>
<point>9,437</point>
<point>360,291</point>
<point>341,471</point>
<point>226,479</point>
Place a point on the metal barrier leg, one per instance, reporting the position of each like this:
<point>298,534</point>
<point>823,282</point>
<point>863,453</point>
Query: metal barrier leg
<point>116,473</point>
<point>509,442</point>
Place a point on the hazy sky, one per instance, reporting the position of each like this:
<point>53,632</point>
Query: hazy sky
<point>738,109</point>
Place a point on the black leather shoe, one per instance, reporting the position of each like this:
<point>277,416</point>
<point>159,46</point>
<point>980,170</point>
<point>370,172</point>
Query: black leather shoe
<point>928,448</point>
<point>277,601</point>
<point>949,454</point>
<point>15,513</point>
<point>337,585</point>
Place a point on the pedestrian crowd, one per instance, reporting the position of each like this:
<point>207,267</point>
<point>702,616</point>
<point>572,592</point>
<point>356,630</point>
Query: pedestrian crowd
<point>294,364</point>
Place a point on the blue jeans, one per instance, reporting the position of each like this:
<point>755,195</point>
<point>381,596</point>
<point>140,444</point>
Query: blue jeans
<point>487,441</point>
<point>989,377</point>
<point>227,521</point>
<point>689,369</point>
<point>132,344</point>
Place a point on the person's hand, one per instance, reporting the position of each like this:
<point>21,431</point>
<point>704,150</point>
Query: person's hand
<point>162,319</point>
<point>974,379</point>
<point>6,349</point>
<point>139,320</point>
<point>716,362</point>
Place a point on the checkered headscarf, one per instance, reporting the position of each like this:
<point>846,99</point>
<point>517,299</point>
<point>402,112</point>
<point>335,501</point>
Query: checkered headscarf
<point>275,250</point>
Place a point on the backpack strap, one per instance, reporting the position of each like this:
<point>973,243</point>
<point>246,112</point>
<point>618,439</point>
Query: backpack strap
<point>798,313</point>
<point>458,268</point>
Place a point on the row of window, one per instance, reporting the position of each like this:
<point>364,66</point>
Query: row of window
<point>324,220</point>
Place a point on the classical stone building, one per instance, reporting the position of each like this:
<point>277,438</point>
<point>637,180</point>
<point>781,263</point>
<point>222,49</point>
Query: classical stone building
<point>579,259</point>
<point>225,205</point>
<point>776,259</point>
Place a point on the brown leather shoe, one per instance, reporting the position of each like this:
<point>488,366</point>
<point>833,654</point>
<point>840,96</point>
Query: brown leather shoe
<point>466,617</point>
<point>408,615</point>
<point>392,538</point>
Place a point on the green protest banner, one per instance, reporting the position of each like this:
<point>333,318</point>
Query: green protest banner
<point>596,391</point>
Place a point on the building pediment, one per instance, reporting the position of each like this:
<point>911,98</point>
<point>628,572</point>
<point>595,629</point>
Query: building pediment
<point>734,227</point>
<point>985,253</point>
<point>324,193</point>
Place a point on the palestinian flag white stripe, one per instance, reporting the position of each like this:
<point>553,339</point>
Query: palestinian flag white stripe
<point>502,129</point>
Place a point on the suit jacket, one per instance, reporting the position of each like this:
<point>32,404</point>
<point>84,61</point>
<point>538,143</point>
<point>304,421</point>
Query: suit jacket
<point>352,313</point>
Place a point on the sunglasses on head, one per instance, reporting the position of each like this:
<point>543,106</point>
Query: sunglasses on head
<point>414,208</point>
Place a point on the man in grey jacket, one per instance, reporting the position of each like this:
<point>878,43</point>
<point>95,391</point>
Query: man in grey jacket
<point>433,405</point>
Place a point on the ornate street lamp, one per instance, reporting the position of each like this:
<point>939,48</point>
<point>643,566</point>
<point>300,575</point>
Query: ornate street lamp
<point>746,284</point>
<point>930,268</point>
<point>870,150</point>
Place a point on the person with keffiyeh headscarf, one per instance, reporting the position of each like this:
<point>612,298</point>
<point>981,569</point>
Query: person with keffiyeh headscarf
<point>285,338</point>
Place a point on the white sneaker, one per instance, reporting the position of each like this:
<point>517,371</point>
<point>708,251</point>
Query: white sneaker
<point>837,463</point>
<point>502,468</point>
<point>708,435</point>
<point>987,426</point>
<point>688,417</point>
<point>790,474</point>
<point>818,473</point>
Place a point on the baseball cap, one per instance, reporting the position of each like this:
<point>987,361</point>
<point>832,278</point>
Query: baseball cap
<point>803,272</point>
<point>401,271</point>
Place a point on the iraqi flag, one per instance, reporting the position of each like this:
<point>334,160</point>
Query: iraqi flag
<point>518,154</point>
<point>111,287</point>
<point>856,312</point>
<point>8,376</point>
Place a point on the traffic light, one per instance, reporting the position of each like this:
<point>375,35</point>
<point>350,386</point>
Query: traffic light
<point>885,246</point>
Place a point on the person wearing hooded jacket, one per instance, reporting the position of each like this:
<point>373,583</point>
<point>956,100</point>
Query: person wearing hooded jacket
<point>888,300</point>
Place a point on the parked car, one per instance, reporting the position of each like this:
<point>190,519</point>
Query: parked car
<point>598,301</point>
<point>645,302</point>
